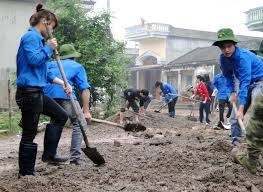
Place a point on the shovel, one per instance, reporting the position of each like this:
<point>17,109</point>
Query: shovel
<point>227,127</point>
<point>91,153</point>
<point>163,106</point>
<point>242,126</point>
<point>135,127</point>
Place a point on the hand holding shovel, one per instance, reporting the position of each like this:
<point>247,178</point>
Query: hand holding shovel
<point>92,153</point>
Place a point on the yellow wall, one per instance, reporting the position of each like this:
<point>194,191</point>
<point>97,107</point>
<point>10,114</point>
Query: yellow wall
<point>153,44</point>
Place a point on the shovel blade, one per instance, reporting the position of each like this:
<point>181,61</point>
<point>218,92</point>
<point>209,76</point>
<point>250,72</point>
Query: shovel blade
<point>135,127</point>
<point>191,118</point>
<point>227,127</point>
<point>93,155</point>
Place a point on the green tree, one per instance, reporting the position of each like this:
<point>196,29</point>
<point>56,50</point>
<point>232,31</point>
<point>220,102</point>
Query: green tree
<point>102,56</point>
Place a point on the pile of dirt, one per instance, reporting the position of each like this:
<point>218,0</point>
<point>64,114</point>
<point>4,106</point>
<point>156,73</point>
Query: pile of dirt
<point>157,120</point>
<point>168,156</point>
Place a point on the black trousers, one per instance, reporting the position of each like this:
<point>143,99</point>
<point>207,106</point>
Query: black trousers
<point>222,104</point>
<point>32,103</point>
<point>204,107</point>
<point>171,105</point>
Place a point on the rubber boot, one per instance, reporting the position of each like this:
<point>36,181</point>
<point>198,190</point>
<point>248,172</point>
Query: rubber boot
<point>51,140</point>
<point>27,159</point>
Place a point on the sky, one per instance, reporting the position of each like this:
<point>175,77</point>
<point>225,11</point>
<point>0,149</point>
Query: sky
<point>208,15</point>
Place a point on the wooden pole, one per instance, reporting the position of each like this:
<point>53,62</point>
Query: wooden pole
<point>9,102</point>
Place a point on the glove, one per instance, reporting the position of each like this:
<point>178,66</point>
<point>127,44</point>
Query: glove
<point>192,97</point>
<point>204,102</point>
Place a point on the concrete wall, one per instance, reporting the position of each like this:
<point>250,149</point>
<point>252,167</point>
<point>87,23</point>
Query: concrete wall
<point>177,46</point>
<point>14,17</point>
<point>156,45</point>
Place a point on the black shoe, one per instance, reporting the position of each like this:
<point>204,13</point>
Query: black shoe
<point>28,174</point>
<point>220,125</point>
<point>75,162</point>
<point>54,160</point>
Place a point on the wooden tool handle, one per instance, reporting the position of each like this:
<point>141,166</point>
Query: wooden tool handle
<point>106,122</point>
<point>77,112</point>
<point>239,119</point>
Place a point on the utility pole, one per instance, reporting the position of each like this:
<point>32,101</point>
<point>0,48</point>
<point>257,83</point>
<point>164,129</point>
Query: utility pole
<point>108,5</point>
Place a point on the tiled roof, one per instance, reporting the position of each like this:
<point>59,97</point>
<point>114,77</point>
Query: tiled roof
<point>209,54</point>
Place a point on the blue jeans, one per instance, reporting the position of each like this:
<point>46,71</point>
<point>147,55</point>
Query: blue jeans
<point>76,140</point>
<point>254,90</point>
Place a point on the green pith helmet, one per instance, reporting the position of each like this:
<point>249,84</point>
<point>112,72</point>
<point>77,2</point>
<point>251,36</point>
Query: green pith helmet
<point>225,34</point>
<point>68,51</point>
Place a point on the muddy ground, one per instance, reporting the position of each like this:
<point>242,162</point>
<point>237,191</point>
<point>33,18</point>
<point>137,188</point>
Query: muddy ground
<point>171,155</point>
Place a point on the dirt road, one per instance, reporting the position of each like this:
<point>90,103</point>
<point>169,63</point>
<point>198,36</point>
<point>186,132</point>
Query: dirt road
<point>169,156</point>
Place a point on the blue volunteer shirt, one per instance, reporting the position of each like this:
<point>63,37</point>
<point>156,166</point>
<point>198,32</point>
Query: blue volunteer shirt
<point>75,74</point>
<point>245,66</point>
<point>166,89</point>
<point>219,82</point>
<point>31,60</point>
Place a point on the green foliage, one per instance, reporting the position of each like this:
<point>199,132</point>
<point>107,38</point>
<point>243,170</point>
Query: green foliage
<point>4,122</point>
<point>102,56</point>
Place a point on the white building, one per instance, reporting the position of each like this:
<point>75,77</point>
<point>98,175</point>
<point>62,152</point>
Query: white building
<point>172,54</point>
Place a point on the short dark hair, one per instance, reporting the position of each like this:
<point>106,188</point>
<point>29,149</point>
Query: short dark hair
<point>158,83</point>
<point>220,44</point>
<point>42,13</point>
<point>201,78</point>
<point>206,78</point>
<point>145,92</point>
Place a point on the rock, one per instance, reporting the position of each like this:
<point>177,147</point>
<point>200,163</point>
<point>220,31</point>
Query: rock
<point>248,184</point>
<point>161,183</point>
<point>67,174</point>
<point>148,136</point>
<point>261,162</point>
<point>156,143</point>
<point>254,189</point>
<point>137,143</point>
<point>200,138</point>
<point>116,143</point>
<point>197,127</point>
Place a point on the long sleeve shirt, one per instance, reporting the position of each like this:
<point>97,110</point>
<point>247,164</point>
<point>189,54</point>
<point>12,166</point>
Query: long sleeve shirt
<point>168,92</point>
<point>31,60</point>
<point>220,83</point>
<point>245,66</point>
<point>75,74</point>
<point>202,91</point>
<point>132,95</point>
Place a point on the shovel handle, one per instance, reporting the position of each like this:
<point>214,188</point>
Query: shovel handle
<point>107,122</point>
<point>239,119</point>
<point>57,58</point>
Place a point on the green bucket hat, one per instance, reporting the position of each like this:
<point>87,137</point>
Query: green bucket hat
<point>68,51</point>
<point>225,34</point>
<point>259,52</point>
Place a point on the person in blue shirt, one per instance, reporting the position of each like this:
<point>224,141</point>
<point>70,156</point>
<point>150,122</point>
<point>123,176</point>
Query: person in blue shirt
<point>169,94</point>
<point>223,95</point>
<point>76,75</point>
<point>247,68</point>
<point>32,56</point>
